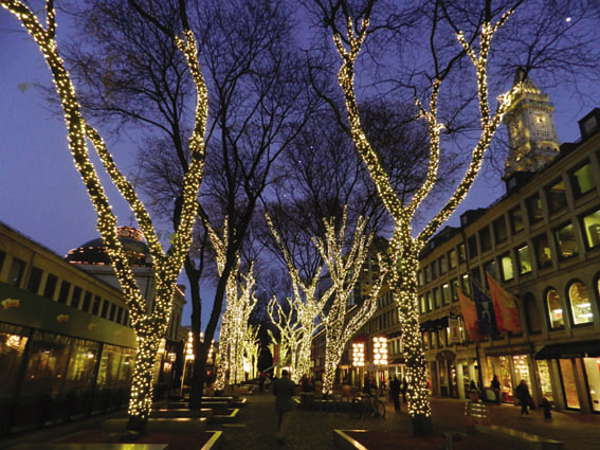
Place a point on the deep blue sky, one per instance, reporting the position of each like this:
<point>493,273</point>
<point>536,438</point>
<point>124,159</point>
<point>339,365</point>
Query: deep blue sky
<point>41,194</point>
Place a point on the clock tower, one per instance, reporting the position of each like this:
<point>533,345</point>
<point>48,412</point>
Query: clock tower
<point>531,132</point>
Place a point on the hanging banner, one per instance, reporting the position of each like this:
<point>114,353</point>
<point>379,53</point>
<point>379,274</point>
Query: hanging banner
<point>469,313</point>
<point>505,307</point>
<point>485,311</point>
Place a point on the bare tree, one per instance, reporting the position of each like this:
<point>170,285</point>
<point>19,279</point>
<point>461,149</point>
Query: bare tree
<point>259,99</point>
<point>149,321</point>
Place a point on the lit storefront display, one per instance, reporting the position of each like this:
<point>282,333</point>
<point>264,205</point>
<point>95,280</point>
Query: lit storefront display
<point>521,369</point>
<point>567,372</point>
<point>592,372</point>
<point>380,351</point>
<point>358,354</point>
<point>545,380</point>
<point>500,366</point>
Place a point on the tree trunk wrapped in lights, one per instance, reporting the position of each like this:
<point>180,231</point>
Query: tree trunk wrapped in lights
<point>344,268</point>
<point>305,306</point>
<point>404,248</point>
<point>251,346</point>
<point>148,322</point>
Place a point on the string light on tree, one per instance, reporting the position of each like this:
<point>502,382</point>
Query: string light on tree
<point>149,323</point>
<point>404,248</point>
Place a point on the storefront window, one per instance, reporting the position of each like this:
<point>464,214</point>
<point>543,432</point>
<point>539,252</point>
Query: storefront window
<point>555,311</point>
<point>567,371</point>
<point>521,368</point>
<point>592,371</point>
<point>500,366</point>
<point>591,227</point>
<point>581,306</point>
<point>108,373</point>
<point>126,367</point>
<point>566,240</point>
<point>82,362</point>
<point>545,380</point>
<point>47,364</point>
<point>12,346</point>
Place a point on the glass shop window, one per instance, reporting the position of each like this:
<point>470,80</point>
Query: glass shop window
<point>108,373</point>
<point>500,231</point>
<point>126,367</point>
<point>47,364</point>
<point>17,269</point>
<point>567,372</point>
<point>427,274</point>
<point>485,239</point>
<point>592,370</point>
<point>543,255</point>
<point>82,362</point>
<point>50,288</point>
<point>582,179</point>
<point>63,295</point>
<point>508,271</point>
<point>524,259</point>
<point>516,220</point>
<point>555,310</point>
<point>545,379</point>
<point>581,305</point>
<point>35,279</point>
<point>428,297</point>
<point>567,241</point>
<point>12,346</point>
<point>535,211</point>
<point>591,229</point>
<point>437,300</point>
<point>556,195</point>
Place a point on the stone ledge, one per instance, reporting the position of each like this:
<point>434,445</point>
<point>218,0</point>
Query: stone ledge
<point>534,440</point>
<point>226,418</point>
<point>161,413</point>
<point>344,442</point>
<point>181,424</point>
<point>213,443</point>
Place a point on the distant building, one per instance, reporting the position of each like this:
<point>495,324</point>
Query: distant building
<point>66,347</point>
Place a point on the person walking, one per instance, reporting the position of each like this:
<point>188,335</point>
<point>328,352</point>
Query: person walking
<point>496,388</point>
<point>395,393</point>
<point>404,389</point>
<point>524,397</point>
<point>283,390</point>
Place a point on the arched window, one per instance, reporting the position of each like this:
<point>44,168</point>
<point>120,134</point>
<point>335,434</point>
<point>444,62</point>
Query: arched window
<point>555,311</point>
<point>532,316</point>
<point>581,305</point>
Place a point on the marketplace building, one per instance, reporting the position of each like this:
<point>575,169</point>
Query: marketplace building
<point>541,242</point>
<point>66,346</point>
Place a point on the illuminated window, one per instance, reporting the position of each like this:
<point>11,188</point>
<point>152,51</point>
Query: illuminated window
<point>556,195</point>
<point>508,271</point>
<point>465,284</point>
<point>462,253</point>
<point>591,227</point>
<point>542,251</point>
<point>516,219</point>
<point>582,179</point>
<point>581,305</point>
<point>535,211</point>
<point>454,287</point>
<point>567,241</point>
<point>555,311</point>
<point>524,259</point>
<point>446,295</point>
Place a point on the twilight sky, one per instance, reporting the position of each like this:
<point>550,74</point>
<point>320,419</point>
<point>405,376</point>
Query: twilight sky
<point>41,194</point>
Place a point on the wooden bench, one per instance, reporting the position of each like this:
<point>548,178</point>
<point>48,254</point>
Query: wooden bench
<point>534,441</point>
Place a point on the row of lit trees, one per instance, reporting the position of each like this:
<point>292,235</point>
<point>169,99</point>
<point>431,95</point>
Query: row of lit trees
<point>319,300</point>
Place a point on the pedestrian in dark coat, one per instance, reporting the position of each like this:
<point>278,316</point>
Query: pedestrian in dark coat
<point>395,392</point>
<point>524,397</point>
<point>283,390</point>
<point>496,388</point>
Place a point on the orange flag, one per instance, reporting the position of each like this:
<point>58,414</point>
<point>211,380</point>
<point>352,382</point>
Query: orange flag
<point>505,307</point>
<point>469,313</point>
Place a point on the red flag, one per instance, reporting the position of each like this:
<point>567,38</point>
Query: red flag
<point>505,307</point>
<point>469,313</point>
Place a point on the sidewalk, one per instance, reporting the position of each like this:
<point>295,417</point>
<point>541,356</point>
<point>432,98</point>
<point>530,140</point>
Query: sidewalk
<point>578,431</point>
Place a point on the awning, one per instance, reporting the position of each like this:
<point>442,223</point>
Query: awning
<point>570,350</point>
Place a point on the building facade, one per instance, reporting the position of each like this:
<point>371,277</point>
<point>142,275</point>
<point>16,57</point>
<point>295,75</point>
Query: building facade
<point>542,242</point>
<point>66,346</point>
